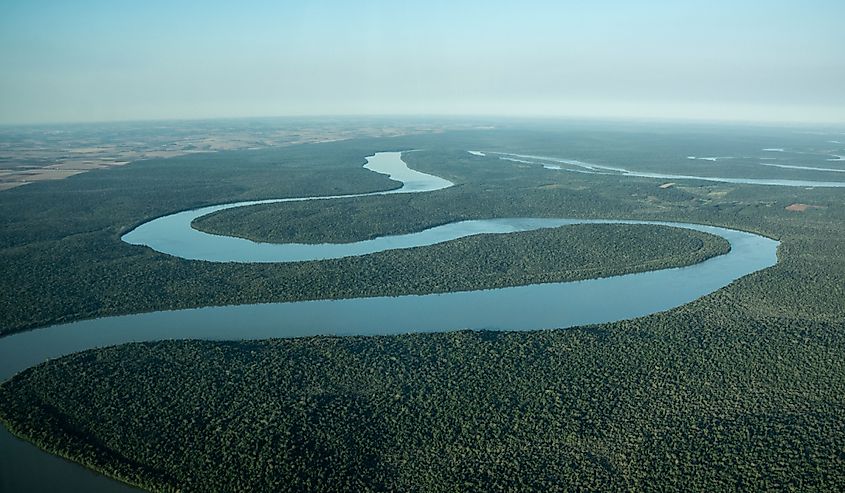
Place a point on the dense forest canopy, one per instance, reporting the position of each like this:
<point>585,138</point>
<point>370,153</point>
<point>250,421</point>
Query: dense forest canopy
<point>741,389</point>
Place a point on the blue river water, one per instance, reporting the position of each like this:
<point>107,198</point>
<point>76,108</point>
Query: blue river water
<point>539,306</point>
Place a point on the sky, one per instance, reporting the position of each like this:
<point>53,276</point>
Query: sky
<point>92,60</point>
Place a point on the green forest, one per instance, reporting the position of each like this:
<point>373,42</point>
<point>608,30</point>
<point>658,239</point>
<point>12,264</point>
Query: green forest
<point>743,389</point>
<point>697,399</point>
<point>61,257</point>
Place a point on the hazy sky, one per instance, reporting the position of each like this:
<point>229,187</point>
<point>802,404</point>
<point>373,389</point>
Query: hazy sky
<point>91,60</point>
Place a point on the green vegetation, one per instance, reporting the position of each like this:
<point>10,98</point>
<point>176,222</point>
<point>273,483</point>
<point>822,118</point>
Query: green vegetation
<point>743,389</point>
<point>61,258</point>
<point>679,401</point>
<point>333,221</point>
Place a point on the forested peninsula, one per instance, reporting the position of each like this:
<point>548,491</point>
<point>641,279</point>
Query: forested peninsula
<point>739,390</point>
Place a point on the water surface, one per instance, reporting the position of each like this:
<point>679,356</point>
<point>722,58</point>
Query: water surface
<point>539,306</point>
<point>613,170</point>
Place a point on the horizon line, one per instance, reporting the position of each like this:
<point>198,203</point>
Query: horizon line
<point>445,116</point>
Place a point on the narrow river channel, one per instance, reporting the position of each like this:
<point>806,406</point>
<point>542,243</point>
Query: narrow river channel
<point>541,306</point>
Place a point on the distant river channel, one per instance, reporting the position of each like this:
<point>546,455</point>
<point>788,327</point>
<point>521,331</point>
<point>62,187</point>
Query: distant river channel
<point>23,467</point>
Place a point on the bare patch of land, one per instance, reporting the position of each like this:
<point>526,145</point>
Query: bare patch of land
<point>52,152</point>
<point>801,207</point>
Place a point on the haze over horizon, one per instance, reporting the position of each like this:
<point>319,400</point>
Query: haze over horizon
<point>94,60</point>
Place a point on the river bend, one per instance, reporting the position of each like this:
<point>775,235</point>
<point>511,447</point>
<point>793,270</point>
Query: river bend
<point>540,306</point>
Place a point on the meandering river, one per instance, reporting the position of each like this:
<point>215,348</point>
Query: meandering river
<point>540,306</point>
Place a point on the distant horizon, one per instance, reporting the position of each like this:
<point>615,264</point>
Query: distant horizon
<point>485,118</point>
